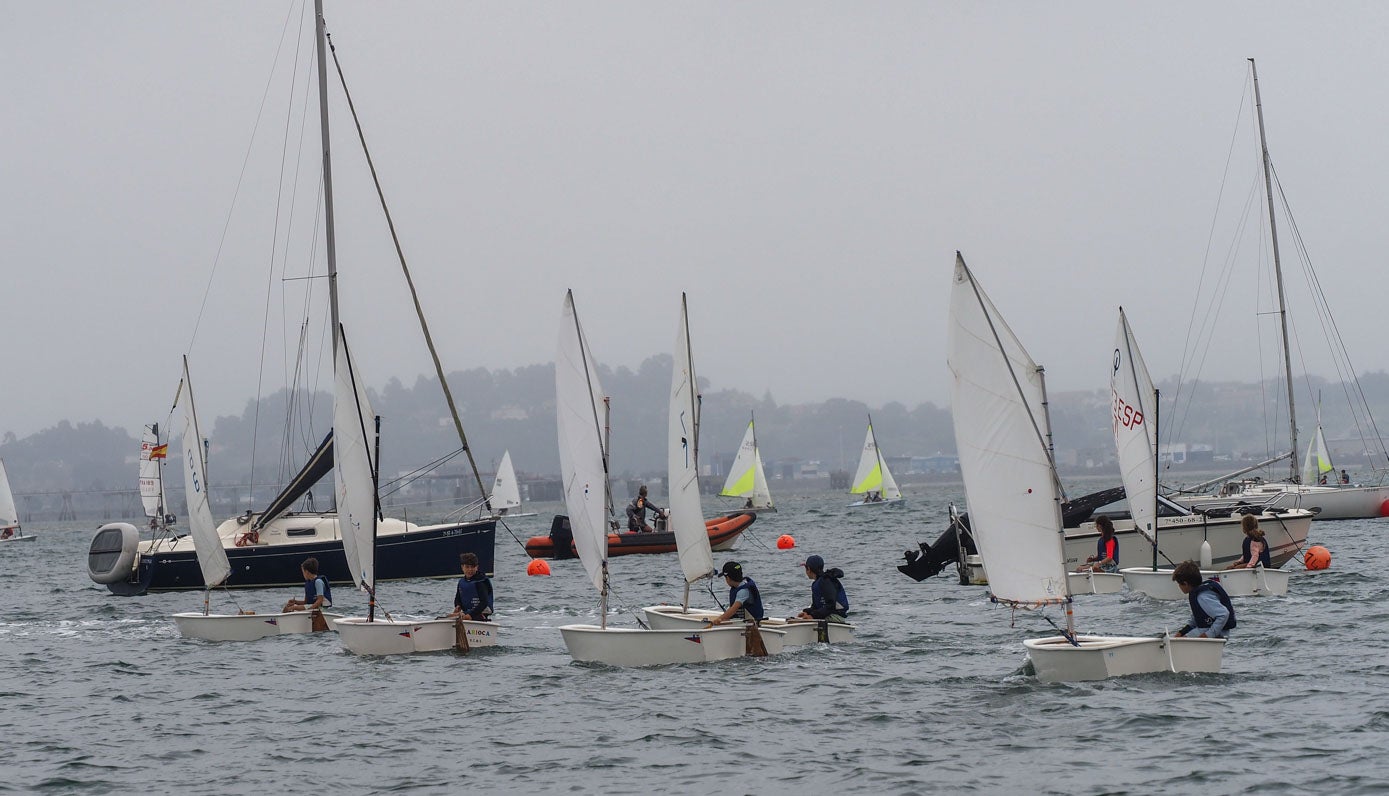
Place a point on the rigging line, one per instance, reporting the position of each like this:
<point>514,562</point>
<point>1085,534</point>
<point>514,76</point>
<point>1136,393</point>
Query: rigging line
<point>623,603</point>
<point>427,466</point>
<point>226,225</point>
<point>511,533</point>
<point>414,295</point>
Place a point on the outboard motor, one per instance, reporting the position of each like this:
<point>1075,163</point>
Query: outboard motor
<point>563,536</point>
<point>114,553</point>
<point>932,559</point>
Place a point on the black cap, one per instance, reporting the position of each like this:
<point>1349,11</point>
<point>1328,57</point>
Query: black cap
<point>815,564</point>
<point>732,569</point>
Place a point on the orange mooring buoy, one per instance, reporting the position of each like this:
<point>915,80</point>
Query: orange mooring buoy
<point>538,566</point>
<point>785,542</point>
<point>1317,558</point>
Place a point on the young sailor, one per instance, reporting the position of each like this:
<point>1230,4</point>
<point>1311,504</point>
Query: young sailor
<point>1106,557</point>
<point>474,596</point>
<point>1254,550</point>
<point>1212,614</point>
<point>317,592</point>
<point>827,597</point>
<point>744,600</point>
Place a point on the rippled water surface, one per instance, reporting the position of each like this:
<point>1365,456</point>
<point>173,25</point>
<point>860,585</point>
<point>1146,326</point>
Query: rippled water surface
<point>99,694</point>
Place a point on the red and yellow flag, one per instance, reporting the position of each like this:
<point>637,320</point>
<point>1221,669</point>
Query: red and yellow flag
<point>160,451</point>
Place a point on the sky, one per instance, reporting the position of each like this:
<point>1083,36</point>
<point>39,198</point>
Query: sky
<point>805,172</point>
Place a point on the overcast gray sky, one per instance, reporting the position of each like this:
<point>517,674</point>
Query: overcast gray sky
<point>805,171</point>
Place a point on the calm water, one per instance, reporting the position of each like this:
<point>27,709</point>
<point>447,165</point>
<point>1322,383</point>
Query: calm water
<point>99,694</point>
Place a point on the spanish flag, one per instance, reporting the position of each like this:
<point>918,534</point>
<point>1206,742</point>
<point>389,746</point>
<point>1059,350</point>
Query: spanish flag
<point>160,451</point>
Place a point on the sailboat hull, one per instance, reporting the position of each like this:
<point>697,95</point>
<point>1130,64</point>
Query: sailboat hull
<point>245,627</point>
<point>29,538</point>
<point>403,551</point>
<point>1056,660</point>
<point>797,634</point>
<point>1330,502</point>
<point>1095,582</point>
<point>403,637</point>
<point>1256,582</point>
<point>1179,539</point>
<point>883,502</point>
<point>633,647</point>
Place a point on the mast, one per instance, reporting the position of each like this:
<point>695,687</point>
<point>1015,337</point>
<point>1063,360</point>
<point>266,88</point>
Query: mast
<point>1157,429</point>
<point>1278,272</point>
<point>1060,522</point>
<point>320,37</point>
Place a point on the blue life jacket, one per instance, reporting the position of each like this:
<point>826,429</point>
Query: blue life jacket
<point>1204,619</point>
<point>1264,557</point>
<point>1101,554</point>
<point>752,606</point>
<point>825,593</point>
<point>474,596</point>
<point>311,591</point>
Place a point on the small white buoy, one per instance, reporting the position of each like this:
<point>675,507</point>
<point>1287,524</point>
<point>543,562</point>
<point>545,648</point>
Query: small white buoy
<point>1205,555</point>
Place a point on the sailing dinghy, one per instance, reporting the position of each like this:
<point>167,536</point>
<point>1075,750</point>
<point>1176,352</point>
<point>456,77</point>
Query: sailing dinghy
<point>872,479</point>
<point>9,513</point>
<point>581,414</point>
<point>212,556</point>
<point>746,478</point>
<point>506,492</point>
<point>1002,431</point>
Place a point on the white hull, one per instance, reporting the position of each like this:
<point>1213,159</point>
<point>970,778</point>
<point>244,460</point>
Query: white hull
<point>1056,660</point>
<point>403,637</point>
<point>245,627</point>
<point>634,647</point>
<point>1330,502</point>
<point>1179,539</point>
<point>29,538</point>
<point>1095,582</point>
<point>883,502</point>
<point>797,634</point>
<point>1256,582</point>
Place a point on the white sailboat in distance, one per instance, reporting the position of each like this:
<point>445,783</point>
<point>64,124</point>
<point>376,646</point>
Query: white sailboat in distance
<point>506,492</point>
<point>10,530</point>
<point>746,478</point>
<point>873,479</point>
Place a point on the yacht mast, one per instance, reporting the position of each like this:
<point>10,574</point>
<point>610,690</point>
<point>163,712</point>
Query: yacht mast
<point>1278,272</point>
<point>320,36</point>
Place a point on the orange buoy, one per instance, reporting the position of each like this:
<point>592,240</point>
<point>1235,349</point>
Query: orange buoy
<point>785,542</point>
<point>538,566</point>
<point>1384,509</point>
<point>1317,558</point>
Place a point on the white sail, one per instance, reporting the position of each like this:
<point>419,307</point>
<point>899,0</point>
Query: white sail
<point>212,557</point>
<point>869,476</point>
<point>9,515</point>
<point>682,461</point>
<point>1010,483</point>
<point>151,475</point>
<point>746,478</point>
<point>506,493</point>
<point>354,432</point>
<point>1318,460</point>
<point>579,416</point>
<point>890,490</point>
<point>1134,403</point>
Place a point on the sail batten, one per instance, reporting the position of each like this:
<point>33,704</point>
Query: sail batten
<point>1010,484</point>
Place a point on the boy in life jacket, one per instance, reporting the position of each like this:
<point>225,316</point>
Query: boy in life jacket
<point>1212,614</point>
<point>744,600</point>
<point>828,600</point>
<point>317,592</point>
<point>473,599</point>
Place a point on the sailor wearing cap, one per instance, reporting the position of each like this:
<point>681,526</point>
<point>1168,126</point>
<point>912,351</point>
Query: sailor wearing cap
<point>744,600</point>
<point>827,598</point>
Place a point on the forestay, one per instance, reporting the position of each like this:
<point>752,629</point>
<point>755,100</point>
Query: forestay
<point>212,557</point>
<point>583,467</point>
<point>1134,403</point>
<point>682,461</point>
<point>1010,483</point>
<point>354,429</point>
